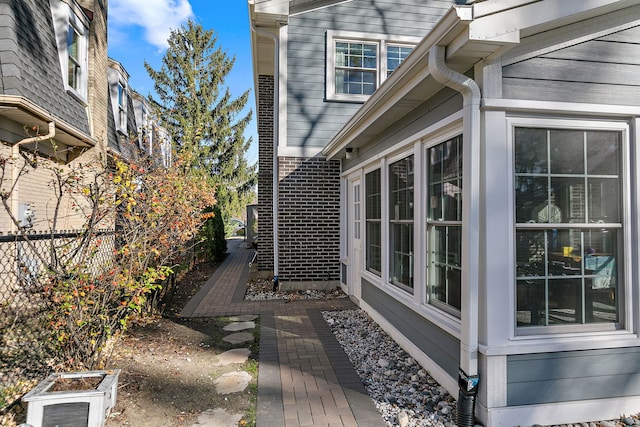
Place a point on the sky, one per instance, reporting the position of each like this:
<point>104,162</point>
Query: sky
<point>138,32</point>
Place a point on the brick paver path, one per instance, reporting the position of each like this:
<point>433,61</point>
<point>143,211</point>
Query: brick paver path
<point>304,376</point>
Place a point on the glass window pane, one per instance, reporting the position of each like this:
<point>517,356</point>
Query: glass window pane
<point>532,197</point>
<point>566,151</point>
<point>402,254</point>
<point>446,261</point>
<point>603,153</point>
<point>564,301</point>
<point>445,181</point>
<point>604,200</point>
<point>569,198</point>
<point>72,43</point>
<point>530,306</point>
<point>530,253</point>
<point>531,150</point>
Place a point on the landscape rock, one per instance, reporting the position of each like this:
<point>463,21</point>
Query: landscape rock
<point>237,355</point>
<point>233,382</point>
<point>239,326</point>
<point>239,338</point>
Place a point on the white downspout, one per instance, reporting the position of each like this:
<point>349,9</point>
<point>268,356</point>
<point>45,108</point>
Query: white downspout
<point>276,130</point>
<point>15,151</point>
<point>471,96</point>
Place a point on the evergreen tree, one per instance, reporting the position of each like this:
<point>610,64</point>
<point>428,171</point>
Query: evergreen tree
<point>201,116</point>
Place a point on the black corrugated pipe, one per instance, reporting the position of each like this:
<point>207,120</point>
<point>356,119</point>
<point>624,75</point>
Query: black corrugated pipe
<point>467,392</point>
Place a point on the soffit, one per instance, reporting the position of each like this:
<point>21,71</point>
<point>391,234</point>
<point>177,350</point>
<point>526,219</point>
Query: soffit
<point>468,40</point>
<point>26,114</point>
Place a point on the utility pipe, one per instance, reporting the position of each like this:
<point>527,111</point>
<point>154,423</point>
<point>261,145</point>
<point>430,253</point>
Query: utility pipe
<point>276,129</point>
<point>15,151</point>
<point>471,95</point>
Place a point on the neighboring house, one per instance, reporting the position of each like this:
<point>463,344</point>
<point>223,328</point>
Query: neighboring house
<point>489,201</point>
<point>52,98</point>
<point>311,36</point>
<point>134,131</point>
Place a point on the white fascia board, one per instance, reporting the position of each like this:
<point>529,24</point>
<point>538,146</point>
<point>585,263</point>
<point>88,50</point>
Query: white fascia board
<point>271,7</point>
<point>516,16</point>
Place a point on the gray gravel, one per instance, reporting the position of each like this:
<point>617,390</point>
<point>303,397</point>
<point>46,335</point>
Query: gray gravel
<point>403,392</point>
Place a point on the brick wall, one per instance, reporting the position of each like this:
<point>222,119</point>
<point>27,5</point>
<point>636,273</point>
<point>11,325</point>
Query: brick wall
<point>98,84</point>
<point>309,219</point>
<point>265,172</point>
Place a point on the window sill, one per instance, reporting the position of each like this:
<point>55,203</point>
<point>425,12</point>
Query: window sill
<point>78,97</point>
<point>564,342</point>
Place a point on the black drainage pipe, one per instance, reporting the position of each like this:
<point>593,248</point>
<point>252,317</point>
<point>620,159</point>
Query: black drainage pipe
<point>467,392</point>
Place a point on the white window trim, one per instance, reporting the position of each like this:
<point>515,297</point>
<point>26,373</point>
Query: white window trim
<point>549,336</point>
<point>381,41</point>
<point>121,117</point>
<point>63,17</point>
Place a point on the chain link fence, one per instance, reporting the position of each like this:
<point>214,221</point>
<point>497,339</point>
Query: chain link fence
<point>24,306</point>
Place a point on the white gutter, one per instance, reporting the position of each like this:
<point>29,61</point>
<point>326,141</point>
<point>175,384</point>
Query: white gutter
<point>471,206</point>
<point>276,129</point>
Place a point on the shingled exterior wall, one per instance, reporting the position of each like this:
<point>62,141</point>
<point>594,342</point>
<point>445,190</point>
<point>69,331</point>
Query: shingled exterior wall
<point>309,222</point>
<point>265,173</point>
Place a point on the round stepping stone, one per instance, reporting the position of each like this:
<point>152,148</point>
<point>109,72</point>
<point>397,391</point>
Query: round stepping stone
<point>243,318</point>
<point>233,382</point>
<point>237,355</point>
<point>239,326</point>
<point>239,338</point>
<point>217,418</point>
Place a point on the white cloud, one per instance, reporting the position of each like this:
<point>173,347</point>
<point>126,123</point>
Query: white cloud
<point>156,17</point>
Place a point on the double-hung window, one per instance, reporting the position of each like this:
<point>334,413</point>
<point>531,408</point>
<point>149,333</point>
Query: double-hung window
<point>73,56</point>
<point>122,107</point>
<point>401,182</point>
<point>444,224</point>
<point>72,38</point>
<point>569,226</point>
<point>359,63</point>
<point>373,212</point>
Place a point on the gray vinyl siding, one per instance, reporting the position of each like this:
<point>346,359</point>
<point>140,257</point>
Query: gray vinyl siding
<point>575,375</point>
<point>600,71</point>
<point>30,62</point>
<point>438,345</point>
<point>312,121</point>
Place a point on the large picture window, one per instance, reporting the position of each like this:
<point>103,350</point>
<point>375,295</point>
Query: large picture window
<point>569,227</point>
<point>373,212</point>
<point>444,224</point>
<point>401,181</point>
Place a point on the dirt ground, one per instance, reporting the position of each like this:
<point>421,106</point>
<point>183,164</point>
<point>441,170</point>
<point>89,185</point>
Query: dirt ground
<point>168,376</point>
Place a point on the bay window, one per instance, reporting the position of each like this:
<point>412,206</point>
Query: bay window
<point>569,228</point>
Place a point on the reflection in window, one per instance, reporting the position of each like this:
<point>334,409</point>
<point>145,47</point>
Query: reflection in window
<point>401,180</point>
<point>444,224</point>
<point>73,54</point>
<point>395,56</point>
<point>356,68</point>
<point>568,226</point>
<point>373,211</point>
